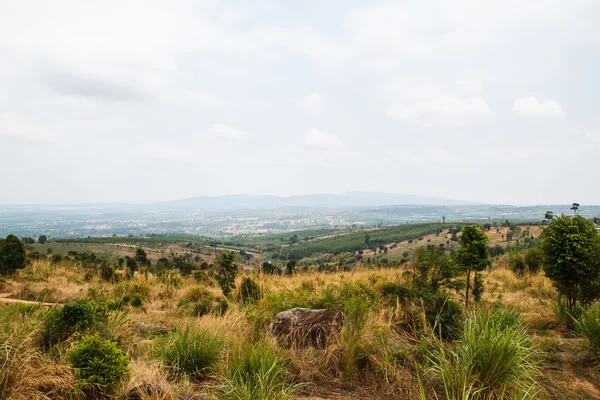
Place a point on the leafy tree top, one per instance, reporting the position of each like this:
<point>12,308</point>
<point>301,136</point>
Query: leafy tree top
<point>473,253</point>
<point>571,247</point>
<point>12,255</point>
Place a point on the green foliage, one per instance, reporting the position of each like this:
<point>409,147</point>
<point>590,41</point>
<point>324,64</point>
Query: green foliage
<point>42,239</point>
<point>515,261</point>
<point>587,325</point>
<point>478,287</point>
<point>227,270</point>
<point>140,256</point>
<point>269,268</point>
<point>100,364</point>
<point>493,359</point>
<point>131,265</point>
<point>60,323</point>
<point>473,255</point>
<point>129,290</point>
<point>256,372</point>
<point>190,353</point>
<point>533,259</point>
<point>433,269</point>
<point>12,255</point>
<point>354,356</point>
<point>290,267</point>
<point>571,247</point>
<point>441,314</point>
<point>249,290</point>
<point>198,301</point>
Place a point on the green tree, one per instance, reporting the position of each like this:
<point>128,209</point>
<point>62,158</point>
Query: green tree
<point>433,268</point>
<point>12,255</point>
<point>290,267</point>
<point>571,247</point>
<point>42,239</point>
<point>132,265</point>
<point>140,256</point>
<point>227,270</point>
<point>473,254</point>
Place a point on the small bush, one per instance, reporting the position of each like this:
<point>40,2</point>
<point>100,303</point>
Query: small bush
<point>249,290</point>
<point>101,365</point>
<point>190,353</point>
<point>198,301</point>
<point>533,259</point>
<point>129,289</point>
<point>587,325</point>
<point>515,261</point>
<point>493,359</point>
<point>256,373</point>
<point>61,323</point>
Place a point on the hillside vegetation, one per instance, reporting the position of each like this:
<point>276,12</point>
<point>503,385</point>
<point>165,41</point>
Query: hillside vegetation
<point>190,327</point>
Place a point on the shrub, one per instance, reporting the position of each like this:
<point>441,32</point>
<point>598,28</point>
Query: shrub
<point>102,365</point>
<point>515,261</point>
<point>107,273</point>
<point>256,373</point>
<point>198,301</point>
<point>190,353</point>
<point>493,359</point>
<point>249,290</point>
<point>130,290</point>
<point>587,325</point>
<point>61,323</point>
<point>533,258</point>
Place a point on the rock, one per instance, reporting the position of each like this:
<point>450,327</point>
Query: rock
<point>146,391</point>
<point>305,327</point>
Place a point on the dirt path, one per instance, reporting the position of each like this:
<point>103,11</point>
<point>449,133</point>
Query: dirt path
<point>4,299</point>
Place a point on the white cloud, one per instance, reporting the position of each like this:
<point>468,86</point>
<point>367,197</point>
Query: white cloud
<point>469,86</point>
<point>424,102</point>
<point>320,140</point>
<point>431,155</point>
<point>312,102</point>
<point>533,107</point>
<point>441,110</point>
<point>595,136</point>
<point>228,132</point>
<point>13,125</point>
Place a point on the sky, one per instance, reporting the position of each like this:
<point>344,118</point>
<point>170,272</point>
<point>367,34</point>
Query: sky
<point>141,101</point>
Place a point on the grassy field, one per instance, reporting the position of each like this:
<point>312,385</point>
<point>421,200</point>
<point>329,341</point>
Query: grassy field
<point>398,339</point>
<point>394,365</point>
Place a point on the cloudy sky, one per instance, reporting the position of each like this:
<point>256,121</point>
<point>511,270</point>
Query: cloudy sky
<point>493,101</point>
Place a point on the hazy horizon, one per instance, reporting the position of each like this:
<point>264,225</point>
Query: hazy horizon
<point>466,202</point>
<point>137,102</point>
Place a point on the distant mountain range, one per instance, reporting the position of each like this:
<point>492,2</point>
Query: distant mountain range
<point>257,202</point>
<point>347,200</point>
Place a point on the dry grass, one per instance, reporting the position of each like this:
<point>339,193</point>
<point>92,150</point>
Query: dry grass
<point>27,373</point>
<point>381,375</point>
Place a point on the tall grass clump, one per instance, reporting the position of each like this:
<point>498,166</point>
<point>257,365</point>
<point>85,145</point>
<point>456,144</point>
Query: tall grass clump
<point>587,325</point>
<point>354,352</point>
<point>190,353</point>
<point>26,372</point>
<point>256,372</point>
<point>493,358</point>
<point>562,314</point>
